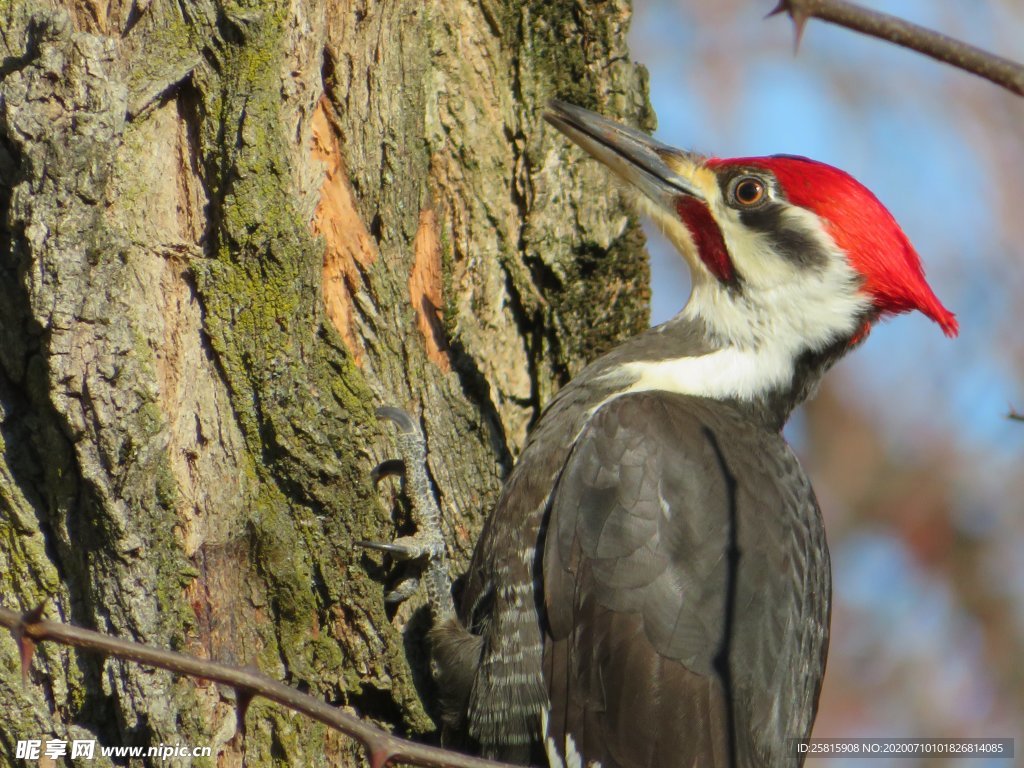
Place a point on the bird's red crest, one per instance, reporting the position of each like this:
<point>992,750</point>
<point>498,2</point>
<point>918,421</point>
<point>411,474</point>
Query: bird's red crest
<point>860,225</point>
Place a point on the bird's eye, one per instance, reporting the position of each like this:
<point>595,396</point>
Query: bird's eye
<point>748,191</point>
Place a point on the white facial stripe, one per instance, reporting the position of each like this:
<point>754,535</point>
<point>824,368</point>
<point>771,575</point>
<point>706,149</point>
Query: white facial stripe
<point>729,372</point>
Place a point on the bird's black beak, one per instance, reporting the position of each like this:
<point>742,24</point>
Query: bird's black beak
<point>661,172</point>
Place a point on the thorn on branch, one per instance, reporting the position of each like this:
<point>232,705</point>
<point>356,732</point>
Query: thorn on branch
<point>26,643</point>
<point>35,615</point>
<point>799,24</point>
<point>26,648</point>
<point>379,757</point>
<point>799,17</point>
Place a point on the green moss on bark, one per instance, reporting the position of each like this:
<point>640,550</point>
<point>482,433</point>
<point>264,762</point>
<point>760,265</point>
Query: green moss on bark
<point>303,405</point>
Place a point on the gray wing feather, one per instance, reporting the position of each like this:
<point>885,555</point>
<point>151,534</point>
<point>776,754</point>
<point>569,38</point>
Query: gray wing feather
<point>635,577</point>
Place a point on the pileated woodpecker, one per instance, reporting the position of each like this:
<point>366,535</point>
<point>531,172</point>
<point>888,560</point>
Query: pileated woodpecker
<point>653,588</point>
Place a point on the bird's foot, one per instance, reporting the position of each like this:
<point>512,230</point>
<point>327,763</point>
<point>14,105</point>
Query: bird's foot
<point>409,547</point>
<point>427,542</point>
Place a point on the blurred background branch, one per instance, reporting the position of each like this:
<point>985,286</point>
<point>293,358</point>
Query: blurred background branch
<point>1004,72</point>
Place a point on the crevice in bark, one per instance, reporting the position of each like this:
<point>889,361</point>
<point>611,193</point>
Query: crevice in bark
<point>38,452</point>
<point>380,704</point>
<point>135,14</point>
<point>478,390</point>
<point>42,463</point>
<point>188,105</point>
<point>417,651</point>
<point>35,31</point>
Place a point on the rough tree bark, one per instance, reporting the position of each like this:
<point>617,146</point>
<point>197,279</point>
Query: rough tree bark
<point>230,229</point>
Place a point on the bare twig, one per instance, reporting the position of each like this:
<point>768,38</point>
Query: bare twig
<point>1009,74</point>
<point>1015,415</point>
<point>382,748</point>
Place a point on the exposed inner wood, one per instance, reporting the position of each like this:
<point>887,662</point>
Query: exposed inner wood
<point>425,289</point>
<point>348,246</point>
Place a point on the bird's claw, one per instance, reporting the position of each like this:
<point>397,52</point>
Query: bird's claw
<point>405,589</point>
<point>408,547</point>
<point>399,417</point>
<point>427,542</point>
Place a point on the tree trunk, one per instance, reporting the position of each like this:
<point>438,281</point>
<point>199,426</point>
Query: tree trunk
<point>231,229</point>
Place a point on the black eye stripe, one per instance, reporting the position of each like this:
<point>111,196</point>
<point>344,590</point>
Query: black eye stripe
<point>789,240</point>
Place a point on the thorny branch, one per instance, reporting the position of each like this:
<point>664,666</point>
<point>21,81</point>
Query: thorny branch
<point>1009,74</point>
<point>382,748</point>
